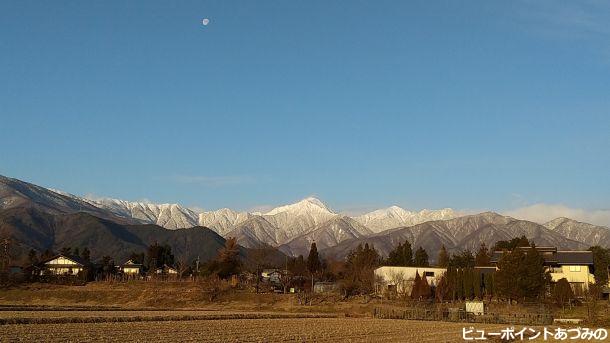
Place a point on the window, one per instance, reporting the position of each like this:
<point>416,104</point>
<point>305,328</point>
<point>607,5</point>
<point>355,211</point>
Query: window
<point>429,274</point>
<point>574,268</point>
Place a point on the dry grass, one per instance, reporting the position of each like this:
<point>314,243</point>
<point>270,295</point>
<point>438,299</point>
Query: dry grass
<point>168,295</point>
<point>63,317</point>
<point>243,330</point>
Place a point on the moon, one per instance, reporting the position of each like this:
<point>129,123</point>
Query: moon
<point>205,21</point>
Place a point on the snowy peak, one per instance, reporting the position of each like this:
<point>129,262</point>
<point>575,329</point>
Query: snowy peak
<point>553,224</point>
<point>326,235</point>
<point>223,220</point>
<point>578,231</point>
<point>170,216</point>
<point>392,211</point>
<point>309,205</point>
<point>395,216</point>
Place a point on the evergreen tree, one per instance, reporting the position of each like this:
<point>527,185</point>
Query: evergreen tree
<point>76,252</point>
<point>359,270</point>
<point>443,258</point>
<point>313,260</point>
<point>464,259</point>
<point>601,261</point>
<point>512,244</point>
<point>86,254</point>
<point>442,291</point>
<point>33,257</point>
<point>228,259</point>
<point>107,267</point>
<point>562,292</point>
<point>46,254</point>
<point>421,258</point>
<point>297,266</point>
<point>533,276</point>
<point>478,293</point>
<point>483,258</point>
<point>488,284</point>
<point>507,274</point>
<point>65,251</point>
<point>402,255</point>
<point>416,286</point>
<point>425,292</point>
<point>521,275</point>
<point>452,282</point>
<point>159,255</point>
<point>459,284</point>
<point>468,283</point>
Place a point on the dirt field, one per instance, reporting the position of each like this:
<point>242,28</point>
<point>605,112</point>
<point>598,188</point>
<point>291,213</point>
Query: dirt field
<point>242,330</point>
<point>151,312</point>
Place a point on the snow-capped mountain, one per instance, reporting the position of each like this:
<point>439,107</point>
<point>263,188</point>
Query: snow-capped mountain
<point>394,216</point>
<point>257,231</point>
<point>306,207</point>
<point>458,234</point>
<point>297,218</point>
<point>282,223</point>
<point>223,220</point>
<point>582,232</point>
<point>169,216</point>
<point>15,193</point>
<point>293,227</point>
<point>327,234</point>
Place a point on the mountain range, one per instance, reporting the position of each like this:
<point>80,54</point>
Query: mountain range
<point>462,233</point>
<point>42,218</point>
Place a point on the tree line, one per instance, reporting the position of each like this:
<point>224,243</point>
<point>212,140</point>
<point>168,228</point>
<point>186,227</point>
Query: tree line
<point>519,274</point>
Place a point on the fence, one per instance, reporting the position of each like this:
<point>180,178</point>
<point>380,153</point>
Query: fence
<point>460,315</point>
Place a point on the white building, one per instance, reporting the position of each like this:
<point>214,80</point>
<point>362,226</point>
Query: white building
<point>167,270</point>
<point>131,268</point>
<point>400,279</point>
<point>61,265</point>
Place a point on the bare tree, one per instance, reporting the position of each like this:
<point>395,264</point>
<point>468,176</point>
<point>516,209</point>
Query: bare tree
<point>591,297</point>
<point>182,266</point>
<point>398,279</point>
<point>285,279</point>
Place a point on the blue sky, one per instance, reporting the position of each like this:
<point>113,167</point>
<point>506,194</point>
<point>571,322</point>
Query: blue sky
<point>471,105</point>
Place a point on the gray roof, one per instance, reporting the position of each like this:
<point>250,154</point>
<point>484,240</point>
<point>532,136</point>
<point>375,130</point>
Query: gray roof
<point>560,257</point>
<point>575,257</point>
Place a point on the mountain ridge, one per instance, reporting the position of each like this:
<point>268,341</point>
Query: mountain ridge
<point>293,227</point>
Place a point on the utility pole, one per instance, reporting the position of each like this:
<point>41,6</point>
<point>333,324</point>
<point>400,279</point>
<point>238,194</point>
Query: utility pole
<point>6,257</point>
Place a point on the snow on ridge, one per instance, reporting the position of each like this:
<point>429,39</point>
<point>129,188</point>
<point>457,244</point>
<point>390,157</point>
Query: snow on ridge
<point>395,216</point>
<point>304,206</point>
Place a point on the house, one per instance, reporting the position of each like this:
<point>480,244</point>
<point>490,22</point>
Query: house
<point>575,266</point>
<point>325,287</point>
<point>167,270</point>
<point>131,268</point>
<point>400,279</point>
<point>61,264</point>
<point>271,275</point>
